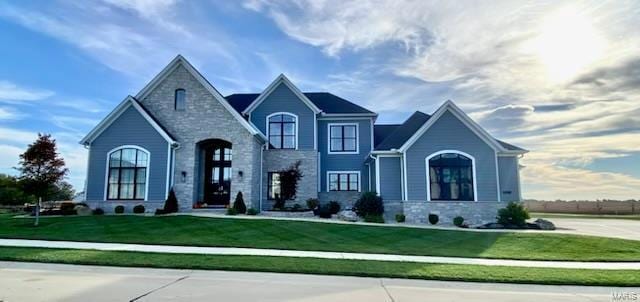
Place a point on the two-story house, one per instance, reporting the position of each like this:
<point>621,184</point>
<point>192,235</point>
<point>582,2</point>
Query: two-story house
<point>179,132</point>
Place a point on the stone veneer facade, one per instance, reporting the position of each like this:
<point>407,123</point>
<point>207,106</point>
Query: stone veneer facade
<point>204,118</point>
<point>474,213</point>
<point>279,159</point>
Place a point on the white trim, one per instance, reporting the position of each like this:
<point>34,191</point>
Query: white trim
<point>473,168</point>
<point>328,115</point>
<point>173,167</point>
<point>168,170</point>
<point>86,180</point>
<point>498,187</point>
<point>337,118</point>
<point>284,113</point>
<point>116,113</point>
<point>315,132</point>
<point>343,152</point>
<point>106,172</point>
<point>284,80</point>
<point>463,117</point>
<point>405,188</point>
<point>180,60</point>
<point>345,172</point>
<point>377,176</point>
<point>372,129</point>
<point>402,178</point>
<point>519,186</point>
<point>319,173</point>
<point>261,173</point>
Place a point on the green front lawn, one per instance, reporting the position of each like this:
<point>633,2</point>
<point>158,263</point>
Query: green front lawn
<point>329,267</point>
<point>297,235</point>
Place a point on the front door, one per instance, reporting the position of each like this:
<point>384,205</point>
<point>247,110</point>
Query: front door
<point>217,173</point>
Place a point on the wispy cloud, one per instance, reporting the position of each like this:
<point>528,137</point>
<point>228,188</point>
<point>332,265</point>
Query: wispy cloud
<point>13,93</point>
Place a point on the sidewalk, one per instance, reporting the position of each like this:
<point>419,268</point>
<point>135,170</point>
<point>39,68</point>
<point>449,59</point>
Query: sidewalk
<point>313,254</point>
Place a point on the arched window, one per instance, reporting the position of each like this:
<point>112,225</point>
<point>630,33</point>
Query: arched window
<point>127,175</point>
<point>180,99</point>
<point>282,128</point>
<point>451,176</point>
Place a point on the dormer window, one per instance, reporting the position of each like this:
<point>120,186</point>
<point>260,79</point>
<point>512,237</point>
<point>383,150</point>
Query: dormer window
<point>180,100</point>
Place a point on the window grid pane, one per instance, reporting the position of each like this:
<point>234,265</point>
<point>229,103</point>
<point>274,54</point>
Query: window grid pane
<point>282,131</point>
<point>343,181</point>
<point>127,177</point>
<point>451,177</point>
<point>343,138</point>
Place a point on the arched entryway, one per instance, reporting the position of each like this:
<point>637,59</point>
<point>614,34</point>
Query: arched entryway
<point>216,161</point>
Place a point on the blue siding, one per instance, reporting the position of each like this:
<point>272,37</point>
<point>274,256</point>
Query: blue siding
<point>282,99</point>
<point>509,178</point>
<point>344,162</point>
<point>129,129</point>
<point>390,178</point>
<point>449,133</point>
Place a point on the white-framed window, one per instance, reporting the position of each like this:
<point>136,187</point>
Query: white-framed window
<point>451,175</point>
<point>343,138</point>
<point>127,173</point>
<point>282,130</point>
<point>180,100</point>
<point>343,181</point>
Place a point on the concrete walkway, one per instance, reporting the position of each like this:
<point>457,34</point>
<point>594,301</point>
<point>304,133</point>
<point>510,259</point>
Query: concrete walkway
<point>36,282</point>
<point>312,254</point>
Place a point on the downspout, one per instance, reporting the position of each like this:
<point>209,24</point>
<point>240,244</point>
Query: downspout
<point>86,180</point>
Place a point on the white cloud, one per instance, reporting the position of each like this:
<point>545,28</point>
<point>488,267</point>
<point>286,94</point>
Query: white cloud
<point>10,92</point>
<point>7,113</point>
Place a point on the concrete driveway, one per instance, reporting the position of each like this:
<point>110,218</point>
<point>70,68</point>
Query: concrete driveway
<point>58,282</point>
<point>615,228</point>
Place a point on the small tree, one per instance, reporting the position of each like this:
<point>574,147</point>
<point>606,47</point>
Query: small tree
<point>170,205</point>
<point>289,179</point>
<point>239,205</point>
<point>40,168</point>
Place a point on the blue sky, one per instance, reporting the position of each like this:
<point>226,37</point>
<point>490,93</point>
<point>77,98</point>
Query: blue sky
<point>558,78</point>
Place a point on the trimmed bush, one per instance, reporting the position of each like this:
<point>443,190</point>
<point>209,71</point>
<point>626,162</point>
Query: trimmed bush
<point>513,214</point>
<point>433,218</point>
<point>313,203</point>
<point>119,209</point>
<point>369,204</point>
<point>98,211</point>
<point>324,211</point>
<point>334,207</point>
<point>252,212</point>
<point>400,218</point>
<point>239,205</point>
<point>171,204</point>
<point>232,212</point>
<point>374,218</point>
<point>458,221</point>
<point>138,209</point>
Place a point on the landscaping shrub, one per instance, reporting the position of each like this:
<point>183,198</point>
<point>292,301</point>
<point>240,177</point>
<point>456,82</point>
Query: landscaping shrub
<point>458,221</point>
<point>98,211</point>
<point>324,211</point>
<point>138,209</point>
<point>312,203</point>
<point>119,209</point>
<point>239,205</point>
<point>232,211</point>
<point>400,218</point>
<point>433,218</point>
<point>296,207</point>
<point>252,212</point>
<point>513,214</point>
<point>279,203</point>
<point>374,218</point>
<point>369,204</point>
<point>334,207</point>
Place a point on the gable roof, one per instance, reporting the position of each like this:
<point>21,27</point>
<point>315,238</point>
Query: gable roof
<point>129,101</point>
<point>281,79</point>
<point>403,132</point>
<point>179,60</point>
<point>382,131</point>
<point>327,102</point>
<point>449,106</point>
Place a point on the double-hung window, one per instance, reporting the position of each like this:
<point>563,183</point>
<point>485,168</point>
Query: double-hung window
<point>343,138</point>
<point>127,177</point>
<point>273,185</point>
<point>344,181</point>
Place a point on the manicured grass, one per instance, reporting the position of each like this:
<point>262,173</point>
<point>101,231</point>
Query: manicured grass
<point>587,216</point>
<point>329,267</point>
<point>297,235</point>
